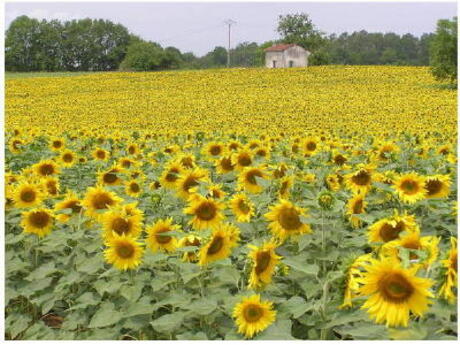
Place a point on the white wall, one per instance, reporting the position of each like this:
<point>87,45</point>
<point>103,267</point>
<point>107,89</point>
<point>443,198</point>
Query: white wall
<point>297,55</point>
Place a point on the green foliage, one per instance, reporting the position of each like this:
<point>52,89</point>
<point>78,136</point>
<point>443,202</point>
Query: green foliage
<point>299,29</point>
<point>142,56</point>
<point>443,52</point>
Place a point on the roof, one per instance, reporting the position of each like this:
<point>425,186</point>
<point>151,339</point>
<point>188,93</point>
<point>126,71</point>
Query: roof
<point>279,47</point>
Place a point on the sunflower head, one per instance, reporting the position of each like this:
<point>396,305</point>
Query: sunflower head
<point>124,252</point>
<point>46,168</point>
<point>28,195</point>
<point>437,186</point>
<point>101,154</point>
<point>71,202</point>
<point>410,187</point>
<point>206,212</point>
<point>38,221</point>
<point>247,179</point>
<point>242,207</point>
<point>264,261</point>
<point>389,229</point>
<point>67,158</point>
<point>158,238</point>
<point>223,239</point>
<point>98,200</point>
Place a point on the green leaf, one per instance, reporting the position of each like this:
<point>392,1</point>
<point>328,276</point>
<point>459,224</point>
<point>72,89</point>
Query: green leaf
<point>296,306</point>
<point>412,333</point>
<point>366,331</point>
<point>168,323</point>
<point>202,306</point>
<point>280,330</point>
<point>42,272</point>
<point>301,266</point>
<point>105,316</point>
<point>16,323</point>
<point>192,336</point>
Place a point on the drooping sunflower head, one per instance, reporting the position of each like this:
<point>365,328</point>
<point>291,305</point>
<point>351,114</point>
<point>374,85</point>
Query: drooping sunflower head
<point>97,200</point>
<point>253,315</point>
<point>280,171</point>
<point>206,212</point>
<point>124,252</point>
<point>187,161</point>
<point>27,195</point>
<point>394,292</point>
<point>286,184</point>
<point>38,221</point>
<point>356,205</point>
<point>46,167</point>
<point>247,179</point>
<point>215,191</point>
<point>285,220</point>
<point>437,186</point>
<point>51,186</point>
<point>264,260</point>
<point>158,238</point>
<point>110,177</point>
<point>242,207</point>
<point>410,187</point>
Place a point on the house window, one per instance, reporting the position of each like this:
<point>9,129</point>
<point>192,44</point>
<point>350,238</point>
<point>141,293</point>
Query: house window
<point>274,63</point>
<point>291,63</point>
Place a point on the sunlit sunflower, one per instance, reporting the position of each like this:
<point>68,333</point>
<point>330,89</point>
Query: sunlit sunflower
<point>437,186</point>
<point>253,315</point>
<point>206,212</point>
<point>190,241</point>
<point>46,167</point>
<point>264,261</point>
<point>360,181</point>
<point>242,159</point>
<point>171,174</point>
<point>354,273</point>
<point>71,202</point>
<point>332,182</point>
<point>286,184</point>
<point>110,177</point>
<point>158,240</point>
<point>27,195</point>
<point>247,179</point>
<point>219,246</point>
<point>68,158</point>
<point>57,144</point>
<point>38,221</point>
<point>133,188</point>
<point>386,149</point>
<point>214,150</point>
<point>51,185</point>
<point>97,200</point>
<point>394,292</point>
<point>450,280</point>
<point>190,179</point>
<point>215,191</point>
<point>224,165</point>
<point>242,207</point>
<point>101,154</point>
<point>339,158</point>
<point>262,152</point>
<point>310,146</point>
<point>234,145</point>
<point>389,229</point>
<point>356,205</point>
<point>280,171</point>
<point>285,220</point>
<point>123,252</point>
<point>15,145</point>
<point>126,163</point>
<point>410,187</point>
<point>122,220</point>
<point>187,160</point>
<point>132,149</point>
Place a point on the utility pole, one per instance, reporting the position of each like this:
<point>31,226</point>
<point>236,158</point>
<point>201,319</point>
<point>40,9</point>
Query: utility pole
<point>229,22</point>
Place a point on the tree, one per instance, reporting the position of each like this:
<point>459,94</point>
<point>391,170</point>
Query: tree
<point>443,50</point>
<point>142,56</point>
<point>299,29</point>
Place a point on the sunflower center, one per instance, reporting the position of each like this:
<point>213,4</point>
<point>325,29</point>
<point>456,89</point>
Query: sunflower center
<point>67,158</point>
<point>187,162</point>
<point>262,261</point>
<point>57,144</point>
<point>121,226</point>
<point>28,196</point>
<point>244,160</point>
<point>216,245</point>
<point>295,148</point>
<point>433,187</point>
<point>389,232</point>
<point>226,163</point>
<point>102,200</point>
<point>110,178</point>
<point>261,153</point>
<point>362,178</point>
<point>100,154</point>
<point>46,169</point>
<point>163,239</point>
<point>125,251</point>
<point>395,288</point>
<point>215,150</point>
<point>410,187</point>
<point>311,146</point>
<point>74,205</point>
<point>206,211</point>
<point>126,163</point>
<point>131,150</point>
<point>339,160</point>
<point>233,146</point>
<point>190,182</point>
<point>51,187</point>
<point>289,219</point>
<point>453,262</point>
<point>251,176</point>
<point>172,175</point>
<point>39,219</point>
<point>284,187</point>
<point>134,187</point>
<point>252,313</point>
<point>244,207</point>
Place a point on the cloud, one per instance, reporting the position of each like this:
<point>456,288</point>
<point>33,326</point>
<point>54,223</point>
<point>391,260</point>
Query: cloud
<point>40,14</point>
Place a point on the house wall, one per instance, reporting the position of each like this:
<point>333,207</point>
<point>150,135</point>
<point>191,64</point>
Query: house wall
<point>274,56</point>
<point>297,55</point>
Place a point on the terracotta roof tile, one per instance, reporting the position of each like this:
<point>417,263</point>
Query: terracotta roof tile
<point>279,47</point>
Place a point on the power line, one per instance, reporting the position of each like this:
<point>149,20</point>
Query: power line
<point>229,22</point>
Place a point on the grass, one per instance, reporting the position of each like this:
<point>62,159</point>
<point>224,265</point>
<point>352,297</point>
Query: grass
<point>22,75</point>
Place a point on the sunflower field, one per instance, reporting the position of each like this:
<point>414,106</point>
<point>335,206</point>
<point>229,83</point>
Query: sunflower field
<point>302,203</point>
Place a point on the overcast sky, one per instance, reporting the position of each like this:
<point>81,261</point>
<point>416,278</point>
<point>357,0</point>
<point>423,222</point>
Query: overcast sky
<point>199,27</point>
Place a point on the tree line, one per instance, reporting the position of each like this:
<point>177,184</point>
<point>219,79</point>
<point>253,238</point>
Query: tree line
<point>101,45</point>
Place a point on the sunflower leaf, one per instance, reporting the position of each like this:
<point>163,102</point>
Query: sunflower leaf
<point>106,315</point>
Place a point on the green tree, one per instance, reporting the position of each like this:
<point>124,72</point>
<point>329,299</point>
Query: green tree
<point>443,50</point>
<point>299,29</point>
<point>142,56</point>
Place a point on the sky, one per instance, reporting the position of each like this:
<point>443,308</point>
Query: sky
<point>199,27</point>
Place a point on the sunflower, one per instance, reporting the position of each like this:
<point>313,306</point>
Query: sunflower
<point>234,145</point>
<point>158,241</point>
<point>223,239</point>
<point>224,165</point>
<point>190,241</point>
<point>389,229</point>
<point>263,152</point>
<point>190,179</point>
<point>247,179</point>
<point>310,146</point>
<point>437,186</point>
<point>450,279</point>
<point>171,174</point>
<point>410,187</point>
<point>15,145</point>
<point>122,220</point>
<point>394,292</point>
<point>386,149</point>
<point>206,212</point>
<point>45,168</point>
<point>51,185</point>
<point>253,316</point>
<point>110,177</point>
<point>71,202</point>
<point>332,181</point>
<point>215,191</point>
<point>101,154</point>
<point>286,184</point>
<point>124,252</point>
<point>280,171</point>
<point>360,181</point>
<point>356,205</point>
<point>214,150</point>
<point>187,160</point>
<point>57,144</point>
<point>264,261</point>
<point>242,159</point>
<point>285,220</point>
<point>354,272</point>
<point>38,221</point>
<point>97,200</point>
<point>339,158</point>
<point>242,207</point>
<point>67,158</point>
<point>27,195</point>
<point>132,149</point>
<point>133,188</point>
<point>126,163</point>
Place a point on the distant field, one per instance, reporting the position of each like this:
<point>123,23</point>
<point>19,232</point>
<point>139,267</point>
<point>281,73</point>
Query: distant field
<point>22,75</point>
